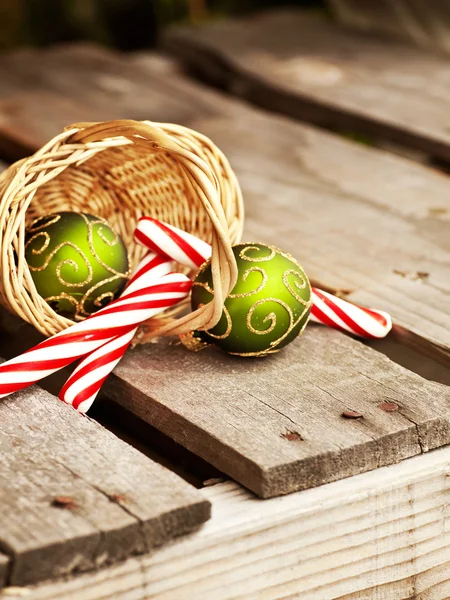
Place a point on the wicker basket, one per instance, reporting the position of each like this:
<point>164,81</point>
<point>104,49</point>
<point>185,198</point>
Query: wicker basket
<point>121,170</point>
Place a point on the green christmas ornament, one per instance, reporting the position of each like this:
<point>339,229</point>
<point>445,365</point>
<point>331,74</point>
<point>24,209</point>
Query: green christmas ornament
<point>77,262</point>
<point>268,307</point>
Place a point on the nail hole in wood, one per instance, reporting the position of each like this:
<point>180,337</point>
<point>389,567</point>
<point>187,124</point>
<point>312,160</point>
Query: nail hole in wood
<point>292,436</point>
<point>118,498</point>
<point>64,502</point>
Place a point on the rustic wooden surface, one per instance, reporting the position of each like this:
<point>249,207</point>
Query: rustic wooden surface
<point>382,535</point>
<point>304,66</point>
<point>396,255</point>
<point>74,497</point>
<point>425,23</point>
<point>359,219</point>
<point>293,432</point>
<point>16,336</point>
<point>42,91</point>
<point>276,425</point>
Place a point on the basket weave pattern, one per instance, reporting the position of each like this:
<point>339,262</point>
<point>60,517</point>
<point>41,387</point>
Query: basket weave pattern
<point>121,170</point>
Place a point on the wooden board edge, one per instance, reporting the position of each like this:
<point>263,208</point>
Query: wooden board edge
<point>418,438</point>
<point>4,569</point>
<point>432,350</point>
<point>102,522</point>
<point>212,67</point>
<point>406,484</point>
<point>384,451</point>
<point>182,431</point>
<point>199,513</point>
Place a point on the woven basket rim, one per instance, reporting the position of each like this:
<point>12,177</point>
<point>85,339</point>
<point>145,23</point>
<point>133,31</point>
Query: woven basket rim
<point>204,167</point>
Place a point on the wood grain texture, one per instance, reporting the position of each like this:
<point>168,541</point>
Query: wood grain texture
<point>359,219</point>
<point>382,535</point>
<point>238,414</point>
<point>426,24</point>
<point>74,497</point>
<point>304,66</point>
<point>42,91</point>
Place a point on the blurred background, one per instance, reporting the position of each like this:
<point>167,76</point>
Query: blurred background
<point>135,24</point>
<point>122,24</point>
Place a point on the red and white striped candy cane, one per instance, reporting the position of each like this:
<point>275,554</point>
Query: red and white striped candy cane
<point>84,384</point>
<point>351,318</point>
<point>180,246</point>
<point>118,318</point>
<point>326,309</point>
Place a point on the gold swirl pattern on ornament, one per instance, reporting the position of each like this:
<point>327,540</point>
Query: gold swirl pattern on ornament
<point>259,353</point>
<point>81,312</point>
<point>60,265</point>
<point>71,263</point>
<point>300,282</point>
<point>62,296</point>
<point>304,282</point>
<point>204,285</point>
<point>43,222</point>
<point>291,327</point>
<point>227,332</point>
<point>273,345</point>
<point>272,317</point>
<point>244,278</point>
<point>98,301</point>
<point>101,235</point>
<point>90,225</point>
<point>246,273</point>
<point>243,253</point>
<point>222,336</point>
<point>45,245</point>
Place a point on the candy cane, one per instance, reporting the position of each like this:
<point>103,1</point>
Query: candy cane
<point>326,309</point>
<point>334,312</point>
<point>180,246</point>
<point>82,387</point>
<point>84,384</point>
<point>118,318</point>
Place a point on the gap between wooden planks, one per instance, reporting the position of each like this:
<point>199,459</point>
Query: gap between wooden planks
<point>410,581</point>
<point>307,67</point>
<point>276,425</point>
<point>377,536</point>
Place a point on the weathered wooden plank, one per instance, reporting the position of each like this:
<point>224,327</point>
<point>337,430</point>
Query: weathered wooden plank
<point>43,91</point>
<point>378,536</point>
<point>238,414</point>
<point>385,243</point>
<point>360,220</point>
<point>304,66</point>
<point>369,222</point>
<point>74,497</point>
<point>426,24</point>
